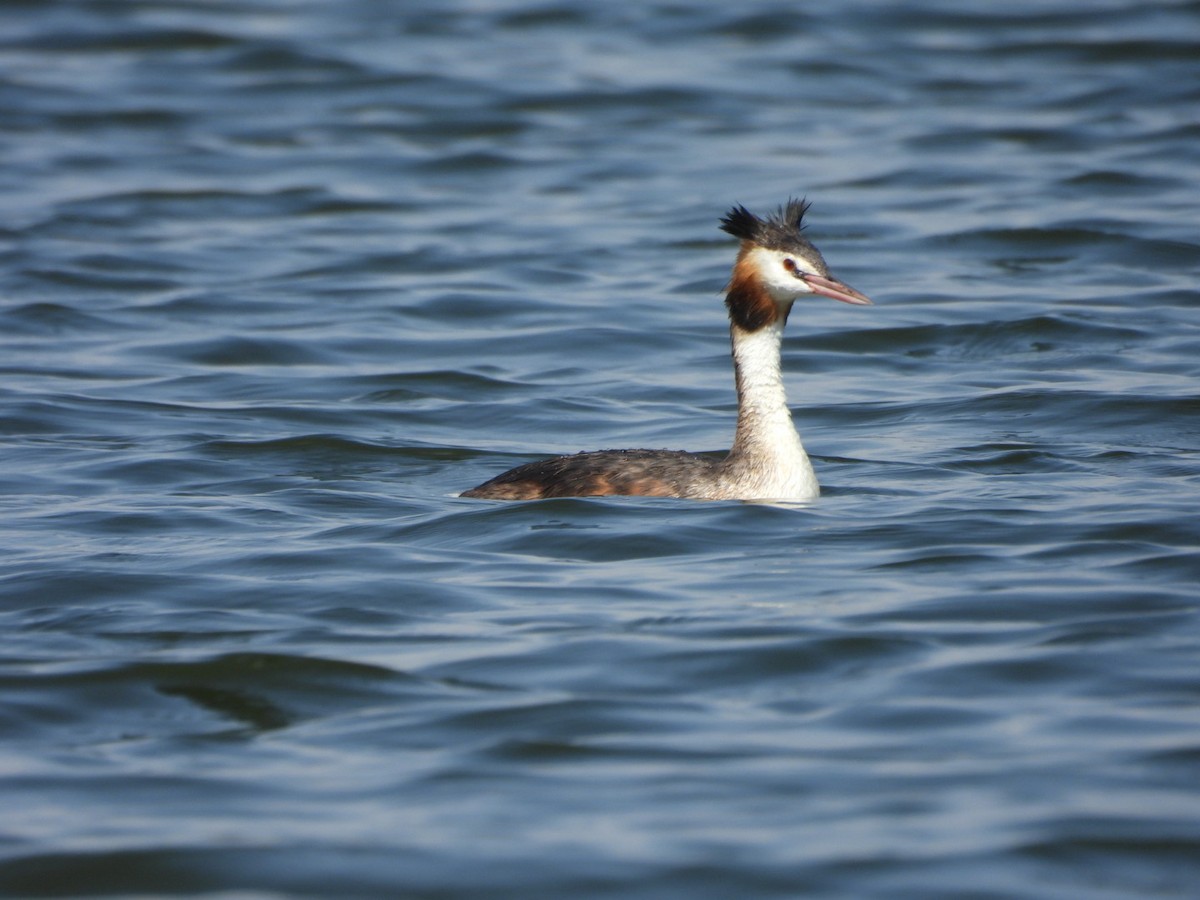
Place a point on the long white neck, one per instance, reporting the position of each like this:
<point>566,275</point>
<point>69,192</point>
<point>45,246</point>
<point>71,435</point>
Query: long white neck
<point>767,460</point>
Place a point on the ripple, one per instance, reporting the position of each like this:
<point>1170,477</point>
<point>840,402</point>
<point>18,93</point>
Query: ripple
<point>240,351</point>
<point>49,319</point>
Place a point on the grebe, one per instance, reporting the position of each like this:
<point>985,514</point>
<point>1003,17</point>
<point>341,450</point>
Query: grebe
<point>776,264</point>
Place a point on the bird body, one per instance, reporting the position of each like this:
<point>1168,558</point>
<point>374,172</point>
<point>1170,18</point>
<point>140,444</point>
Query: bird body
<point>776,265</point>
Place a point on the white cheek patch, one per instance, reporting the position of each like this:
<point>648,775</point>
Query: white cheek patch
<point>778,279</point>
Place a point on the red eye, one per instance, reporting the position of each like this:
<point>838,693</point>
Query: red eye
<point>790,265</point>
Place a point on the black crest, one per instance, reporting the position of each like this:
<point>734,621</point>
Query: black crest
<point>780,231</point>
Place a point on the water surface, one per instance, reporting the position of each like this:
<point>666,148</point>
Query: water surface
<point>280,279</point>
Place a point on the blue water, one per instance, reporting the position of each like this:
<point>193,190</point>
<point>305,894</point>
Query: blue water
<point>279,279</point>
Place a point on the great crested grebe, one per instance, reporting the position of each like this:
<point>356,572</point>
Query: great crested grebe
<point>776,264</point>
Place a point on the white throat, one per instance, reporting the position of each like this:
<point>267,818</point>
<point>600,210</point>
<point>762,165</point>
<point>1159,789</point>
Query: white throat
<point>767,461</point>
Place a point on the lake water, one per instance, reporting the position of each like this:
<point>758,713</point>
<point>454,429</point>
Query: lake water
<point>280,278</point>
